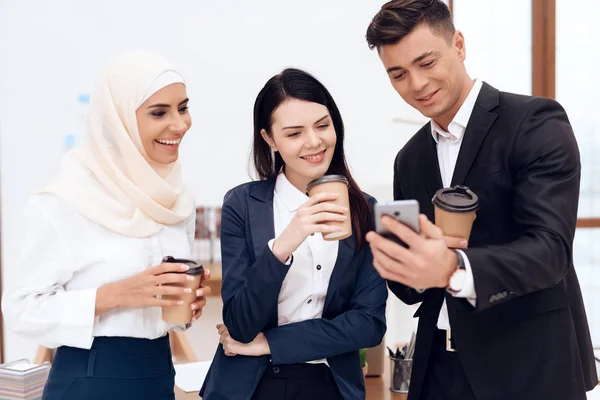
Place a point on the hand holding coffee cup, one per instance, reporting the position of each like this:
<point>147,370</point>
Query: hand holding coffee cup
<point>149,288</point>
<point>334,184</point>
<point>201,294</point>
<point>181,313</point>
<point>320,214</point>
<point>455,211</point>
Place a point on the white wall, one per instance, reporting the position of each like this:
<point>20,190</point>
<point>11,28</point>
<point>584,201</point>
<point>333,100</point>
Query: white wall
<point>498,36</point>
<point>51,52</point>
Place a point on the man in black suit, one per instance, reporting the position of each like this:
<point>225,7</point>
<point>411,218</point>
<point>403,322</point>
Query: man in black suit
<point>503,317</point>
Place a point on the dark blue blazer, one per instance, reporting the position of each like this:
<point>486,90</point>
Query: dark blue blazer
<point>353,315</point>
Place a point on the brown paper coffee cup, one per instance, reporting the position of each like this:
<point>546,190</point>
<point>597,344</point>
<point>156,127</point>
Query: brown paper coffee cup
<point>455,210</point>
<point>182,314</point>
<point>334,184</point>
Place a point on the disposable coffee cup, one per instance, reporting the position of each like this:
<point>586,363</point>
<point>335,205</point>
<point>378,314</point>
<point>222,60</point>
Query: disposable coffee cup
<point>334,184</point>
<point>455,210</point>
<point>182,314</point>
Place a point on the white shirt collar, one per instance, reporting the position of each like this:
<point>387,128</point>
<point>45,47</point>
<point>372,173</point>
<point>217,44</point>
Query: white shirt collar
<point>458,125</point>
<point>289,195</point>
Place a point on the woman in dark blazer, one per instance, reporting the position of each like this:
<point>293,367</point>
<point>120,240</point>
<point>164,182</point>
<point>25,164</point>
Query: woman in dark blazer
<point>296,308</point>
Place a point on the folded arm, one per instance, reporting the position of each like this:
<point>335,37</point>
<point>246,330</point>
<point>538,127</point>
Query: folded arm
<point>362,326</point>
<point>250,287</point>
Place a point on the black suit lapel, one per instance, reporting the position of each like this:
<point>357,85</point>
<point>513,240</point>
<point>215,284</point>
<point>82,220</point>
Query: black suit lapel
<point>262,225</point>
<point>346,251</point>
<point>477,128</point>
<point>431,165</point>
<point>426,178</point>
<point>260,208</point>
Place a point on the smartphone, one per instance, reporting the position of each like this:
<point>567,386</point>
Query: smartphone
<point>404,211</point>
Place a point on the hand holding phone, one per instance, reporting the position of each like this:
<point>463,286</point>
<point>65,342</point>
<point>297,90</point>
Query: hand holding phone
<point>403,211</point>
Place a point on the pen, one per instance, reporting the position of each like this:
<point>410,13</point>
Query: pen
<point>390,352</point>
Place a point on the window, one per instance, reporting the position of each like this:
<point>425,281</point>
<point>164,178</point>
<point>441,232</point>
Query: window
<point>577,88</point>
<point>495,54</point>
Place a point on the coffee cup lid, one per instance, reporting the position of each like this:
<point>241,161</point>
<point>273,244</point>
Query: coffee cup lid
<point>326,179</point>
<point>195,268</point>
<point>458,199</point>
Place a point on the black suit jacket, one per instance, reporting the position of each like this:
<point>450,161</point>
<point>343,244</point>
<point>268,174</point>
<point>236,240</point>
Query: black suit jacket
<point>528,336</point>
<point>353,313</point>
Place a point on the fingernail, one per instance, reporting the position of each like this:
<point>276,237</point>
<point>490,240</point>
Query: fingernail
<point>193,306</point>
<point>180,302</point>
<point>185,267</point>
<point>344,209</point>
<point>189,278</point>
<point>187,290</point>
<point>199,293</point>
<point>464,243</point>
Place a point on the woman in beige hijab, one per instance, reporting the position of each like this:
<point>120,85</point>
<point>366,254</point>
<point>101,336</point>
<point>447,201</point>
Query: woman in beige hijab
<point>90,275</point>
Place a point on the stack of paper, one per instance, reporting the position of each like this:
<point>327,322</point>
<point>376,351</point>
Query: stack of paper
<point>21,380</point>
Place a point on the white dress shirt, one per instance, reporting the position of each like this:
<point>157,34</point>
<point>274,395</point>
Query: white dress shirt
<point>64,258</point>
<point>448,147</point>
<point>303,292</point>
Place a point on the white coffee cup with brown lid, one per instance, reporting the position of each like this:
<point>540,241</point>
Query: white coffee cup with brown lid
<point>334,184</point>
<point>455,210</point>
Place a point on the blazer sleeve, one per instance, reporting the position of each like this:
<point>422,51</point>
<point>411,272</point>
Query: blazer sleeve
<point>250,287</point>
<point>546,172</point>
<point>405,293</point>
<point>361,326</point>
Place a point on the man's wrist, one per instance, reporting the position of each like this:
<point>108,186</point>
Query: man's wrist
<point>458,278</point>
<point>451,267</point>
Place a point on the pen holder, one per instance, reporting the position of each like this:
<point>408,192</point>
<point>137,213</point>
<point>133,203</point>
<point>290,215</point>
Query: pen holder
<point>401,371</point>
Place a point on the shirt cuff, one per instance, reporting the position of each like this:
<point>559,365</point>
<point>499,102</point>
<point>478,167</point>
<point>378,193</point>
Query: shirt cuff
<point>468,291</point>
<point>287,262</point>
<point>79,309</point>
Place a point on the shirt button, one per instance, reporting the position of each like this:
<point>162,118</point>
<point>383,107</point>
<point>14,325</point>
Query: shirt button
<point>309,301</point>
<point>319,267</point>
<point>276,370</point>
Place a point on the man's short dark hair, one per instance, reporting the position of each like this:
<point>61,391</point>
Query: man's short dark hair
<point>398,18</point>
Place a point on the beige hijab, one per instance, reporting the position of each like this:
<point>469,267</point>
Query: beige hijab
<point>110,179</point>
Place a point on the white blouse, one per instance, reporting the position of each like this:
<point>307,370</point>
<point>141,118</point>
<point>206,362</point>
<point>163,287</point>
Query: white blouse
<point>303,292</point>
<point>64,258</point>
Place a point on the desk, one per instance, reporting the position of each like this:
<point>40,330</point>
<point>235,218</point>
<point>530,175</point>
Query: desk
<point>378,388</point>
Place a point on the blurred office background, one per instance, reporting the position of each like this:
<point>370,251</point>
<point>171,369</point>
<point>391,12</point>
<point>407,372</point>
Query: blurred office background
<point>52,52</point>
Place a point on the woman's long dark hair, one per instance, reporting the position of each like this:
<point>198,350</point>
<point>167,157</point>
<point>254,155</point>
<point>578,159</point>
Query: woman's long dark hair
<point>293,83</point>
